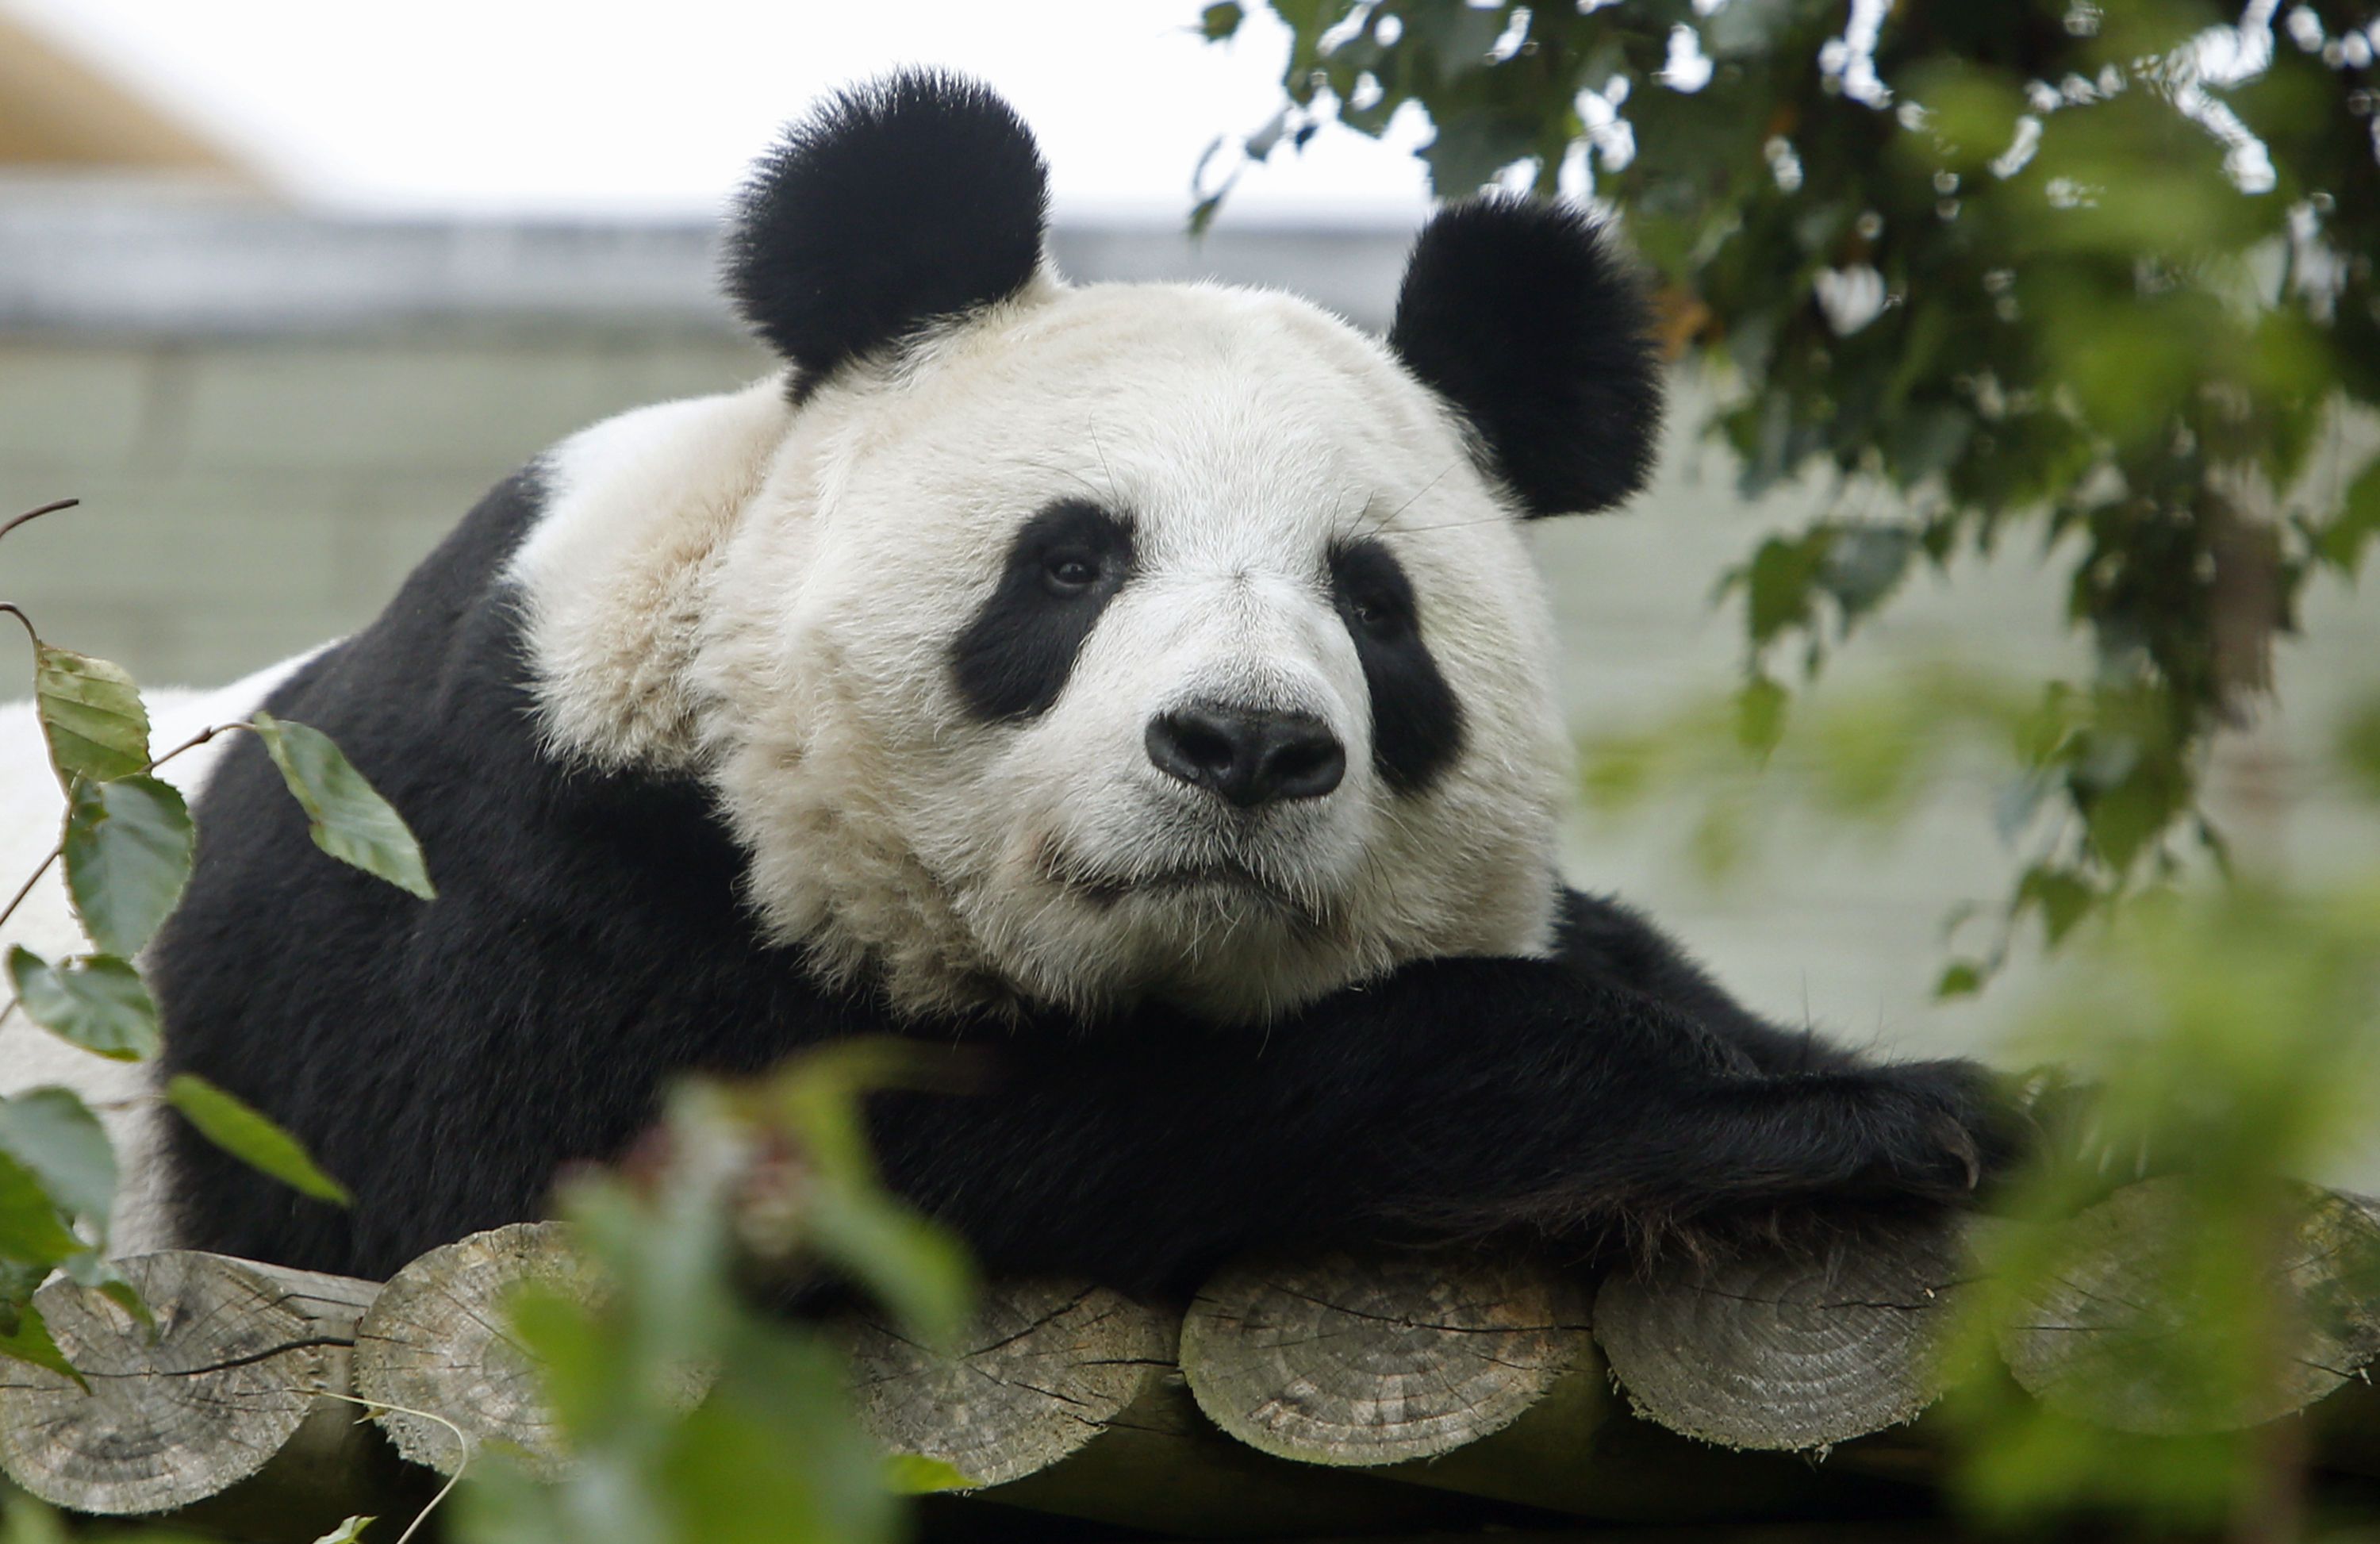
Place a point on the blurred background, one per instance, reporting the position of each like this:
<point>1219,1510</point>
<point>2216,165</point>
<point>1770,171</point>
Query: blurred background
<point>285,286</point>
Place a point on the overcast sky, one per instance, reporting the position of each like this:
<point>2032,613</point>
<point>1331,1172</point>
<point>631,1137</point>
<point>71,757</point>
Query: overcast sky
<point>589,105</point>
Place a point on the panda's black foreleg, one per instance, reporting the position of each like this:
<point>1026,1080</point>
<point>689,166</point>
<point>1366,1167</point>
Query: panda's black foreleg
<point>1456,1098</point>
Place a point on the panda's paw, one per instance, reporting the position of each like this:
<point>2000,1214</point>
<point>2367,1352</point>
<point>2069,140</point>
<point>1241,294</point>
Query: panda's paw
<point>1947,1129</point>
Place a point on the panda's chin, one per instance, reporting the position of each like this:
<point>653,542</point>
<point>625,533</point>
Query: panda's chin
<point>1218,939</point>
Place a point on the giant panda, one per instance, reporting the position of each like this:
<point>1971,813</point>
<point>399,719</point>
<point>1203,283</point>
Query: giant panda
<point>1146,685</point>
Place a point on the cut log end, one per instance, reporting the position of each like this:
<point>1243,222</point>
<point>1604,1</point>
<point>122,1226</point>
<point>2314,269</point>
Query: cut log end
<point>241,1354</point>
<point>1038,1374</point>
<point>2094,1339</point>
<point>1783,1350</point>
<point>1348,1361</point>
<point>437,1339</point>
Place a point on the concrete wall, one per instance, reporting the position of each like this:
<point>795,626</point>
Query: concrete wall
<point>256,479</point>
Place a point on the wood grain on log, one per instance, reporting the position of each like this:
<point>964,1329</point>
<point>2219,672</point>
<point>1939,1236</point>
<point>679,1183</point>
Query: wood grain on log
<point>1579,1449</point>
<point>1160,1464</point>
<point>438,1341</point>
<point>239,1375</point>
<point>1039,1372</point>
<point>2094,1338</point>
<point>1372,1361</point>
<point>1784,1350</point>
<point>1063,1398</point>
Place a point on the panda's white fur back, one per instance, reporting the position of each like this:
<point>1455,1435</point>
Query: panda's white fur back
<point>31,806</point>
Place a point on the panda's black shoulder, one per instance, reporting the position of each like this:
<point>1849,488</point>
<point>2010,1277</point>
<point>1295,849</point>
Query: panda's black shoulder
<point>588,941</point>
<point>1603,938</point>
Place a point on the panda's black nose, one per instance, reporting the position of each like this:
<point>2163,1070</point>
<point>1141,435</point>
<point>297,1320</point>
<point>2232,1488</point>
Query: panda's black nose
<point>1250,758</point>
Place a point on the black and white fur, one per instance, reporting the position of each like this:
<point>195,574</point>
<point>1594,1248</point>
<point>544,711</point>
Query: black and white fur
<point>1145,685</point>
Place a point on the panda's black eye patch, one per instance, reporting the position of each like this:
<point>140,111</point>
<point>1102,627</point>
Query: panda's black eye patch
<point>1416,722</point>
<point>1063,567</point>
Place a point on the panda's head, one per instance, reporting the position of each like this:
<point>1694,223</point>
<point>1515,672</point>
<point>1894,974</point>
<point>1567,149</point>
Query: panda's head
<point>1080,645</point>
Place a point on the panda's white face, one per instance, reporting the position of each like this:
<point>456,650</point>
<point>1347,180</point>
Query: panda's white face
<point>1118,642</point>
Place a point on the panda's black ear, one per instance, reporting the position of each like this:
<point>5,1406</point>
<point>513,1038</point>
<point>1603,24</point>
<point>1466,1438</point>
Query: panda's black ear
<point>1520,314</point>
<point>913,197</point>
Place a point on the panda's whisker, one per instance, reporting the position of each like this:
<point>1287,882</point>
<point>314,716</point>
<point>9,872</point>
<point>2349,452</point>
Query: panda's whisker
<point>1115,493</point>
<point>1102,496</point>
<point>1418,493</point>
<point>1498,518</point>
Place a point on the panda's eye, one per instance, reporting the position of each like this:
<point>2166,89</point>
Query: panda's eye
<point>1069,570</point>
<point>1377,614</point>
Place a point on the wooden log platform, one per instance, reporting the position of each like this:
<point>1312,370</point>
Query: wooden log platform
<point>1336,1397</point>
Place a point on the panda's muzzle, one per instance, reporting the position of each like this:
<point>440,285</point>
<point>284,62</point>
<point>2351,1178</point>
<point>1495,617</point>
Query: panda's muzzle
<point>1250,756</point>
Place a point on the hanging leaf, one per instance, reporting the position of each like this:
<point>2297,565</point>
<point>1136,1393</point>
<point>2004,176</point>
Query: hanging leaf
<point>128,856</point>
<point>32,1233</point>
<point>347,815</point>
<point>1760,717</point>
<point>1216,22</point>
<point>24,1336</point>
<point>2341,543</point>
<point>53,1135</point>
<point>99,1003</point>
<point>911,1474</point>
<point>240,1130</point>
<point>92,1268</point>
<point>91,714</point>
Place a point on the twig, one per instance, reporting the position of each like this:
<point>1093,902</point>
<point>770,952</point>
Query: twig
<point>49,508</point>
<point>202,737</point>
<point>462,1438</point>
<point>36,878</point>
<point>27,622</point>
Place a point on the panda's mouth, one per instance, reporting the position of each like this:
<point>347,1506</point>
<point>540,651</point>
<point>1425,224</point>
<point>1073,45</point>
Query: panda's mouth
<point>1108,889</point>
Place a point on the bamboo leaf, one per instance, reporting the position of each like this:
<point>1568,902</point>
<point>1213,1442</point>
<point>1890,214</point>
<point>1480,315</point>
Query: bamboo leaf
<point>245,1133</point>
<point>349,1532</point>
<point>99,1003</point>
<point>347,816</point>
<point>128,856</point>
<point>91,715</point>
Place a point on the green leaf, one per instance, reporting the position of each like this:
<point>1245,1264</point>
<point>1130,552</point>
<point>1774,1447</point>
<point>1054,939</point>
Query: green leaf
<point>31,1230</point>
<point>2359,746</point>
<point>911,1263</point>
<point>1760,717</point>
<point>24,1336</point>
<point>237,1128</point>
<point>2063,898</point>
<point>911,1474</point>
<point>128,856</point>
<point>54,1134</point>
<point>91,715</point>
<point>1779,583</point>
<point>1960,979</point>
<point>98,1002</point>
<point>347,815</point>
<point>2342,541</point>
<point>93,1270</point>
<point>1218,23</point>
<point>349,1532</point>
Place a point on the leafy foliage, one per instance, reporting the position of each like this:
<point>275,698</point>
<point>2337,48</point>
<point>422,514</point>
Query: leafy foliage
<point>691,1416</point>
<point>125,848</point>
<point>2104,270</point>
